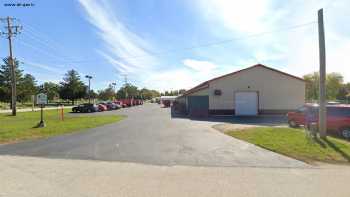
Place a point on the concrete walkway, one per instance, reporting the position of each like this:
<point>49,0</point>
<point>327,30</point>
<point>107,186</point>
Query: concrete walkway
<point>39,177</point>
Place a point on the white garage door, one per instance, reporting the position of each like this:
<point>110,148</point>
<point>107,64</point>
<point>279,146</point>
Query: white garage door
<point>246,103</point>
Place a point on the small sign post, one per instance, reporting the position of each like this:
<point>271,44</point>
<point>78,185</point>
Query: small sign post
<point>41,99</point>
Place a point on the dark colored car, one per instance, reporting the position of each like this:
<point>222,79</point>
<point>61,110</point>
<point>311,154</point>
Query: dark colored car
<point>85,108</point>
<point>166,103</point>
<point>338,118</point>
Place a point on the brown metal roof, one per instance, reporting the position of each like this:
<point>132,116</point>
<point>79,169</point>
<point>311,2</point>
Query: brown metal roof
<point>206,83</point>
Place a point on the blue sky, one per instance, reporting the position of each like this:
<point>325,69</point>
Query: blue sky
<point>169,44</point>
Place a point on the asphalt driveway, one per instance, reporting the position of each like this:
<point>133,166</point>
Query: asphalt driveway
<point>150,135</point>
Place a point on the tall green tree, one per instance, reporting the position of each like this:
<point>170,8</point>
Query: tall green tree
<point>107,94</point>
<point>52,90</point>
<point>26,88</point>
<point>72,88</point>
<point>312,86</point>
<point>148,94</point>
<point>5,79</point>
<point>93,95</point>
<point>344,92</point>
<point>182,91</point>
<point>334,83</point>
<point>128,91</point>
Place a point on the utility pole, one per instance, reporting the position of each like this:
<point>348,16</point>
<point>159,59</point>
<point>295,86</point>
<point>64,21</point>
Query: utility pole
<point>322,120</point>
<point>89,94</point>
<point>12,30</point>
<point>125,84</point>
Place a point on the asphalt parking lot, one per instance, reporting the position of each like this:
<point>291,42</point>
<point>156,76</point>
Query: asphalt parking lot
<point>150,135</point>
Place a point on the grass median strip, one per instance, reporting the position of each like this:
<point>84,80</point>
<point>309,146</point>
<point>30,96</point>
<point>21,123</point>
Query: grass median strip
<point>295,144</point>
<point>22,126</point>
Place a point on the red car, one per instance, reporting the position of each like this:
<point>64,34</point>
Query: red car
<point>102,107</point>
<point>127,102</point>
<point>121,103</point>
<point>338,118</point>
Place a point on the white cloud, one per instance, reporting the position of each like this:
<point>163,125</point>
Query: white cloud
<point>119,65</point>
<point>243,16</point>
<point>51,68</point>
<point>200,66</point>
<point>170,79</point>
<point>302,45</point>
<point>191,74</point>
<point>126,50</point>
<point>294,51</point>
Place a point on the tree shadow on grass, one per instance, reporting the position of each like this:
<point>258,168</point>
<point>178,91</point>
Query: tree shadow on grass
<point>320,142</point>
<point>326,142</point>
<point>337,149</point>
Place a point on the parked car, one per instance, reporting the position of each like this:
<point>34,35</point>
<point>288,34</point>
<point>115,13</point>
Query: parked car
<point>166,103</point>
<point>112,105</point>
<point>102,107</point>
<point>85,108</point>
<point>109,106</point>
<point>338,118</point>
<point>119,104</point>
<point>127,102</point>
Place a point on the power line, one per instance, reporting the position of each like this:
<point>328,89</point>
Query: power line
<point>38,49</point>
<point>53,42</point>
<point>43,36</point>
<point>55,69</point>
<point>43,43</point>
<point>201,45</point>
<point>45,40</point>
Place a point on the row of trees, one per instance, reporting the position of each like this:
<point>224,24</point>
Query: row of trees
<point>70,88</point>
<point>336,89</point>
<point>26,84</point>
<point>173,92</point>
<point>127,91</point>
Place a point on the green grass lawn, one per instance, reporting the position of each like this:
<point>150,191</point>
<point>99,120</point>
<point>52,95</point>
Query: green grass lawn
<point>294,143</point>
<point>22,126</point>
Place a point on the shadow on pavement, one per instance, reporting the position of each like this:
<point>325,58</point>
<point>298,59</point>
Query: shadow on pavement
<point>265,120</point>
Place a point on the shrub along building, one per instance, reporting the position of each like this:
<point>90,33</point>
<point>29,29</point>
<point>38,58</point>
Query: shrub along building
<point>255,90</point>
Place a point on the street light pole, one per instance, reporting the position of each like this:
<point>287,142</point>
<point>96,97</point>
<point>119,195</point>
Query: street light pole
<point>113,85</point>
<point>89,78</point>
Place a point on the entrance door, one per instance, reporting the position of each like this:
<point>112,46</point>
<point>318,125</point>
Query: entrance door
<point>246,103</point>
<point>198,106</point>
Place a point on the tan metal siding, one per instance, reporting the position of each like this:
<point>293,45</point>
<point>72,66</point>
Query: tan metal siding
<point>276,91</point>
<point>203,92</point>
